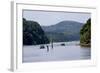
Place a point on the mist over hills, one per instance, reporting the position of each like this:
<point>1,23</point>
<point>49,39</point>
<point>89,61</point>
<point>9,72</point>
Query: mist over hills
<point>35,34</point>
<point>63,31</point>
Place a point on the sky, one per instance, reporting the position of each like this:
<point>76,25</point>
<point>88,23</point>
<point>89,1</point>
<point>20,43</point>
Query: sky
<point>47,18</point>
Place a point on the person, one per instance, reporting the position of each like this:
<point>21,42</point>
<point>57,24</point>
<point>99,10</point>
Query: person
<point>52,44</point>
<point>47,48</point>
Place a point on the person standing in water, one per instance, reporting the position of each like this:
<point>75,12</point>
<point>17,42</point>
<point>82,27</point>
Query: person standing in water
<point>47,48</point>
<point>52,43</point>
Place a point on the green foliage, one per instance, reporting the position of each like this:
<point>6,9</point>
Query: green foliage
<point>64,31</point>
<point>85,33</point>
<point>33,33</point>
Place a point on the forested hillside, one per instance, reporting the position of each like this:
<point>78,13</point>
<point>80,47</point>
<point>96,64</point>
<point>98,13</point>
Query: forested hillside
<point>33,33</point>
<point>64,31</point>
<point>85,34</point>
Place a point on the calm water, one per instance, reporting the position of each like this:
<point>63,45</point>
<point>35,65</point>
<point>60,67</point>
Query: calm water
<point>71,51</point>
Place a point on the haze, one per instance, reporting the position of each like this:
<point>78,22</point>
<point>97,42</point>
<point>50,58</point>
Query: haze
<point>46,18</point>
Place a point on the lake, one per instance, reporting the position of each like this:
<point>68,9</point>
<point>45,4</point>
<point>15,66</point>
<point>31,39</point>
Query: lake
<point>70,51</point>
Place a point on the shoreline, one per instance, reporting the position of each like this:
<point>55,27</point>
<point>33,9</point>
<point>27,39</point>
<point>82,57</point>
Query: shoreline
<point>85,45</point>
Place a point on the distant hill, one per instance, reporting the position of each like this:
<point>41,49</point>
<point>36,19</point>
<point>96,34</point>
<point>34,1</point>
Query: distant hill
<point>63,31</point>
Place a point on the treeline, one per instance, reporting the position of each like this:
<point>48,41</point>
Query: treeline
<point>33,33</point>
<point>63,36</point>
<point>85,34</point>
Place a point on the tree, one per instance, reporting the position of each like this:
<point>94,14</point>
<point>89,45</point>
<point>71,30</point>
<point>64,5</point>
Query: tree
<point>33,33</point>
<point>85,33</point>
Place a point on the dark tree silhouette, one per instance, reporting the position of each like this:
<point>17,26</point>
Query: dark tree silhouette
<point>33,33</point>
<point>85,33</point>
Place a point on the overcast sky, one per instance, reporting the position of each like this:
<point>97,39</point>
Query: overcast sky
<point>46,18</point>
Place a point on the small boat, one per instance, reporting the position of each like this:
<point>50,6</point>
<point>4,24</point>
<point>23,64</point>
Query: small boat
<point>62,44</point>
<point>42,47</point>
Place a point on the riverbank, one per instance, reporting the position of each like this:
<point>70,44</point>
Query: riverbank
<point>85,45</point>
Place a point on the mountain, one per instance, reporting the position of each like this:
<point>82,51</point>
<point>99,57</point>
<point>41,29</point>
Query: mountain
<point>63,31</point>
